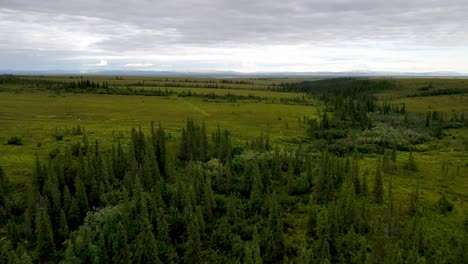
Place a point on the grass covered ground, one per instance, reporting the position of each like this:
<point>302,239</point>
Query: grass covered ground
<point>38,117</point>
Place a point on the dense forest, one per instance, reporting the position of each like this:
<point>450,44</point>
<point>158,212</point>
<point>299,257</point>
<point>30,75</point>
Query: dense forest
<point>211,199</point>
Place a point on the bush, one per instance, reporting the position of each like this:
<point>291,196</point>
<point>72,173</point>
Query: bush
<point>76,149</point>
<point>78,131</point>
<point>54,153</point>
<point>410,163</point>
<point>389,137</point>
<point>58,137</point>
<point>18,141</point>
<point>300,186</point>
<point>444,205</point>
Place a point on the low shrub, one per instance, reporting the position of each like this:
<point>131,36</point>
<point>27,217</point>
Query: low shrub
<point>444,205</point>
<point>15,140</point>
<point>54,153</point>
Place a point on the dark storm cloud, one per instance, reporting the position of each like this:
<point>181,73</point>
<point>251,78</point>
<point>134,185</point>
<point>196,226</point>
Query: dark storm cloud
<point>161,26</point>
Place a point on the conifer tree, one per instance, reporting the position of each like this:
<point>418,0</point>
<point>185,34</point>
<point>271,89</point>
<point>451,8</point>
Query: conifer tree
<point>153,164</point>
<point>220,178</point>
<point>193,254</point>
<point>266,173</point>
<point>200,221</point>
<point>365,186</point>
<point>203,143</point>
<point>81,197</point>
<point>91,184</point>
<point>275,226</point>
<point>411,164</point>
<point>185,153</point>
<point>22,256</point>
<point>160,151</point>
<point>355,173</point>
<point>208,201</point>
<point>163,227</point>
<point>166,252</point>
<point>63,227</point>
<point>53,194</point>
<point>290,176</point>
<point>312,220</point>
<point>310,174</point>
<point>45,247</point>
<point>228,181</point>
<point>13,232</point>
<point>31,211</point>
<point>414,201</point>
<point>147,173</point>
<point>40,175</point>
<point>145,245</point>
<point>324,186</point>
<point>325,123</point>
<point>462,255</point>
<point>256,247</point>
<point>67,199</point>
<point>74,218</point>
<point>386,163</point>
<point>394,155</point>
<point>248,254</point>
<point>256,189</point>
<point>378,187</point>
<point>120,247</point>
<point>325,252</point>
<point>4,201</point>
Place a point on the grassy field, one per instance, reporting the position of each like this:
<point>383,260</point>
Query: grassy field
<point>444,103</point>
<point>409,86</point>
<point>37,117</point>
<point>222,91</point>
<point>252,84</point>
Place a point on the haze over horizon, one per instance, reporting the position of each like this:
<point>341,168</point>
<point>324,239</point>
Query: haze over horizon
<point>242,36</point>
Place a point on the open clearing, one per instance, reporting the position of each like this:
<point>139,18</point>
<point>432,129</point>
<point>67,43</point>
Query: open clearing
<point>36,117</point>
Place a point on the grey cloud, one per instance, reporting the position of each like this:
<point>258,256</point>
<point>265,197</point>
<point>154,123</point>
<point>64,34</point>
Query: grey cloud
<point>120,28</point>
<point>274,21</point>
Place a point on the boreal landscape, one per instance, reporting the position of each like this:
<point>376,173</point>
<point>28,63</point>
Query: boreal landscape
<point>232,132</point>
<point>128,169</point>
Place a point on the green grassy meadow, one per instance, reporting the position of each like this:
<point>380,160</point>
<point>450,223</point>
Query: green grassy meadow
<point>37,117</point>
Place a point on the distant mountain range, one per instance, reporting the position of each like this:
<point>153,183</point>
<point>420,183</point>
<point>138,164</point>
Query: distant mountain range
<point>231,74</point>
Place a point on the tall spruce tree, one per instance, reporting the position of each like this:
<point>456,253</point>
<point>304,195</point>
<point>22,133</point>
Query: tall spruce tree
<point>4,193</point>
<point>145,245</point>
<point>193,253</point>
<point>160,151</point>
<point>81,197</point>
<point>378,187</point>
<point>45,247</point>
<point>120,248</point>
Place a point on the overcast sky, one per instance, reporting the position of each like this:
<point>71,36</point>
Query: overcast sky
<point>239,35</point>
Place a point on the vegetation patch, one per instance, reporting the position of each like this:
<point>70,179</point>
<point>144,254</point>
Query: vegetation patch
<point>15,140</point>
<point>344,170</point>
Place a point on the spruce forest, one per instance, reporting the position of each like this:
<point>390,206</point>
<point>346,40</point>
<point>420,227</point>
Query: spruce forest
<point>248,170</point>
